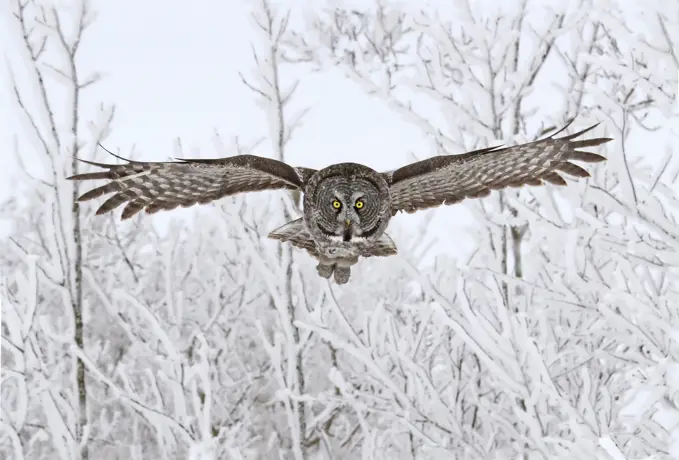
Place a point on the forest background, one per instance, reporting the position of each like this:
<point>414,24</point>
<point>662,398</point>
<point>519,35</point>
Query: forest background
<point>535,323</point>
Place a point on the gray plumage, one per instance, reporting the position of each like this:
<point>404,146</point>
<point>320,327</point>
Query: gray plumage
<point>347,206</point>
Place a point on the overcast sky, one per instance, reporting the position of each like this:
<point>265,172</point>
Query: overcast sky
<point>171,68</point>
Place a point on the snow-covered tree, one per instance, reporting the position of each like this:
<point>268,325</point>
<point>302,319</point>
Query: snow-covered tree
<point>48,384</point>
<point>553,337</point>
<point>539,369</point>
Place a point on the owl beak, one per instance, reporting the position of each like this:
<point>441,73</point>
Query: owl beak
<point>347,230</point>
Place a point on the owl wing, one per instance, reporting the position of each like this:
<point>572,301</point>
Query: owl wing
<point>156,186</point>
<point>297,234</point>
<point>449,179</point>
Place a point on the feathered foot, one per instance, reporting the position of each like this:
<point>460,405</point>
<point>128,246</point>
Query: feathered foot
<point>342,275</point>
<point>325,271</point>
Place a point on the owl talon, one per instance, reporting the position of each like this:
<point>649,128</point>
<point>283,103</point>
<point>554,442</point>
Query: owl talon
<point>342,275</point>
<point>325,271</point>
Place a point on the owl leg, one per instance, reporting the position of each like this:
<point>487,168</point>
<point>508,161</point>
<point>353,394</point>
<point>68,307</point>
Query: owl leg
<point>342,274</point>
<point>325,271</point>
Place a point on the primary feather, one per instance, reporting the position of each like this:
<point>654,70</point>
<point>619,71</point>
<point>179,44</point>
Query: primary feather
<point>449,179</point>
<point>155,186</point>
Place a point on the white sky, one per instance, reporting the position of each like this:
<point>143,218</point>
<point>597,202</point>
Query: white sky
<point>171,68</point>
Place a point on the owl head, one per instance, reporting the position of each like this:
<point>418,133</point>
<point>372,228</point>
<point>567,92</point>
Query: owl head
<point>347,203</point>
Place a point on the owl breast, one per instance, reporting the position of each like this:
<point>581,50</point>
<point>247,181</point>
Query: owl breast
<point>341,250</point>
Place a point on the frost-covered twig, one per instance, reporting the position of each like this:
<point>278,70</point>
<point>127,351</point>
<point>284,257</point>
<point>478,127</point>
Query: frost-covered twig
<point>275,100</point>
<point>56,132</point>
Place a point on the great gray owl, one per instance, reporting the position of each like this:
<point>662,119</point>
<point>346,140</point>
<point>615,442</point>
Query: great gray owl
<point>347,206</point>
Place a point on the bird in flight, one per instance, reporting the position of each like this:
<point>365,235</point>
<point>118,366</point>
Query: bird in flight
<point>347,206</point>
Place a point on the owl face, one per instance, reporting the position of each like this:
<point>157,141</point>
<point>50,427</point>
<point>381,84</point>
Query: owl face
<point>348,209</point>
<point>349,205</point>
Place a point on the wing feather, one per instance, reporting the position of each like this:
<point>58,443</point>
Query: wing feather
<point>449,179</point>
<point>296,232</point>
<point>156,186</point>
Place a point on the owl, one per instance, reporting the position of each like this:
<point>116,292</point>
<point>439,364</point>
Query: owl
<point>346,207</point>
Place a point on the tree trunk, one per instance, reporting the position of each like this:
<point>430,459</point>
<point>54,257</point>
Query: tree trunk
<point>77,292</point>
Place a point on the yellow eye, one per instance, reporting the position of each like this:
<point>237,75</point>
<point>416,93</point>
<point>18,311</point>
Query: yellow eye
<point>359,204</point>
<point>336,204</point>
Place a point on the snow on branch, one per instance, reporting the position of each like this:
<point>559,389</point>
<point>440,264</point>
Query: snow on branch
<point>555,337</point>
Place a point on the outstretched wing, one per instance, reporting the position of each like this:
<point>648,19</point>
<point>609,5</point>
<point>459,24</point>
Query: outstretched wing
<point>449,179</point>
<point>156,186</point>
